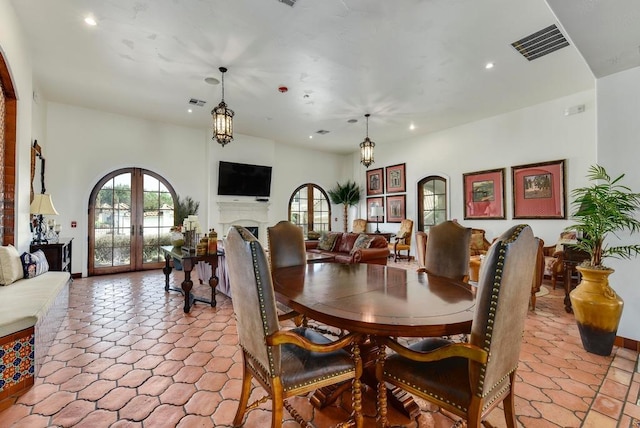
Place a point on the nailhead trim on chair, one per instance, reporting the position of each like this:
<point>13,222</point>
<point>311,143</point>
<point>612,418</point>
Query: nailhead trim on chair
<point>487,341</point>
<point>495,293</point>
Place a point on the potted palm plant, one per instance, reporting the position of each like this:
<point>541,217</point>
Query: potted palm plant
<point>347,194</point>
<point>603,208</point>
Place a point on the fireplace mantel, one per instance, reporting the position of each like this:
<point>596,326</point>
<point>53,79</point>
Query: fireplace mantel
<point>244,213</point>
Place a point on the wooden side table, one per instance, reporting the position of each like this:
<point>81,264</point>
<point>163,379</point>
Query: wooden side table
<point>188,262</point>
<point>58,254</point>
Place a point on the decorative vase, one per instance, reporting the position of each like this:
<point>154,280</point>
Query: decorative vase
<point>597,309</point>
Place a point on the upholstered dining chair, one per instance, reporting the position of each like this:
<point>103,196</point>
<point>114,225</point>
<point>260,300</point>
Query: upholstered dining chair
<point>471,379</point>
<point>360,225</point>
<point>285,363</point>
<point>447,251</point>
<point>538,273</point>
<point>285,241</point>
<point>402,240</point>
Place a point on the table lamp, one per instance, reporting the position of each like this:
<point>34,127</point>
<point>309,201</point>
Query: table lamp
<point>41,205</point>
<point>377,211</point>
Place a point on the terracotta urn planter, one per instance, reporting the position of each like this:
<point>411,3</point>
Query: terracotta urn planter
<point>597,309</point>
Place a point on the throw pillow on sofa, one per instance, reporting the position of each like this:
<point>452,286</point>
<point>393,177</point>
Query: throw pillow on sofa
<point>327,241</point>
<point>34,264</point>
<point>363,241</point>
<point>10,265</point>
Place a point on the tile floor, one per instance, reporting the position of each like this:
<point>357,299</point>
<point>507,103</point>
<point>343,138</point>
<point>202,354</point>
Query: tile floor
<point>127,356</point>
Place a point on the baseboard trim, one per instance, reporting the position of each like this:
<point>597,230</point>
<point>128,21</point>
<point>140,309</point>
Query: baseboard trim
<point>623,342</point>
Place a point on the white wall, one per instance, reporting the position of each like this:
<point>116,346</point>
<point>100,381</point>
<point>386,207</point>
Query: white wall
<point>84,145</point>
<point>618,99</point>
<point>535,134</point>
<point>16,55</point>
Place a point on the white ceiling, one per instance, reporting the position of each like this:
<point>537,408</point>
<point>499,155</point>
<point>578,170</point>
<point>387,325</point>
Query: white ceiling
<point>406,62</point>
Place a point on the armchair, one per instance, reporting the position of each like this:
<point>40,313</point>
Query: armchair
<point>554,257</point>
<point>402,240</point>
<point>471,379</point>
<point>284,363</point>
<point>360,225</point>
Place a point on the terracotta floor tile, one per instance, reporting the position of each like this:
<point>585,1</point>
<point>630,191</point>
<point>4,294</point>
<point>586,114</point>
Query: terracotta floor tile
<point>117,398</point>
<point>38,393</point>
<point>123,362</point>
<point>98,419</point>
<point>54,403</point>
<point>139,407</point>
<point>96,390</point>
<point>165,415</point>
<point>73,413</point>
<point>598,420</point>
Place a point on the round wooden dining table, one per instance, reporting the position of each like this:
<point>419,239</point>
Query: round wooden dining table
<point>377,300</point>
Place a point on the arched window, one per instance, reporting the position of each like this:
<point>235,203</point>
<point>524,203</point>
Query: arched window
<point>432,201</point>
<point>309,208</point>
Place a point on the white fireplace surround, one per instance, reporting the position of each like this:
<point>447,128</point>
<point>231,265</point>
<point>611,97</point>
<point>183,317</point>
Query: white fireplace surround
<point>244,213</point>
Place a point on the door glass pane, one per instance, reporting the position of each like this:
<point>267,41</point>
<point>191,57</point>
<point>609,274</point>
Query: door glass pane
<point>112,222</point>
<point>157,218</point>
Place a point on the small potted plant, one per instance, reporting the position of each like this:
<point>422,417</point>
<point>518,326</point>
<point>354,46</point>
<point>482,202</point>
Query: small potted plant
<point>603,208</point>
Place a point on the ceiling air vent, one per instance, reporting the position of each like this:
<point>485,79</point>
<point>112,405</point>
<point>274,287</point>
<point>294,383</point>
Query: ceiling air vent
<point>322,132</point>
<point>541,43</point>
<point>196,102</point>
<point>289,2</point>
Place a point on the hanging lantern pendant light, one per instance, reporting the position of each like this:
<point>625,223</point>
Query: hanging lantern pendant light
<point>366,148</point>
<point>222,118</point>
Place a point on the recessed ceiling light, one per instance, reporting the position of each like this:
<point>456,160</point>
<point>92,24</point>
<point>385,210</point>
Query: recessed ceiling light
<point>311,137</point>
<point>190,111</point>
<point>412,127</point>
<point>90,21</point>
<point>352,120</point>
<point>212,80</point>
<point>489,66</point>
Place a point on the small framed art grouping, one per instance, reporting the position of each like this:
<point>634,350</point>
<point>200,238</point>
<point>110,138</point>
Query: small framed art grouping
<point>375,182</point>
<point>396,208</point>
<point>539,190</point>
<point>396,178</point>
<point>484,194</point>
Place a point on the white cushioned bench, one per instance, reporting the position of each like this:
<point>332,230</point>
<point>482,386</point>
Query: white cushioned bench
<point>31,311</point>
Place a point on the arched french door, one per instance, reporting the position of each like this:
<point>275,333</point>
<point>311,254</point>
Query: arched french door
<point>130,213</point>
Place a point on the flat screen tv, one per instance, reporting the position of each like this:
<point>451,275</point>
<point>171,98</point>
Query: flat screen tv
<point>240,179</point>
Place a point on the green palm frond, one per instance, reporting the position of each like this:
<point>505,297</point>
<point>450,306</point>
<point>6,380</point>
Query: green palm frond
<point>603,208</point>
<point>347,194</point>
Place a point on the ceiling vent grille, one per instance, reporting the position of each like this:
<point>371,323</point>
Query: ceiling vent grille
<point>322,132</point>
<point>196,102</point>
<point>541,43</point>
<point>289,2</point>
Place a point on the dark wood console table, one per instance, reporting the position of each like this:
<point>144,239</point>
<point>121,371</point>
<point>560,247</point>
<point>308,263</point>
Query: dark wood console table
<point>188,262</point>
<point>387,235</point>
<point>572,258</point>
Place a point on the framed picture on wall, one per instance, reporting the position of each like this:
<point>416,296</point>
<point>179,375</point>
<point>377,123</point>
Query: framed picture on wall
<point>539,190</point>
<point>375,182</point>
<point>484,194</point>
<point>396,178</point>
<point>396,207</point>
<point>375,209</point>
